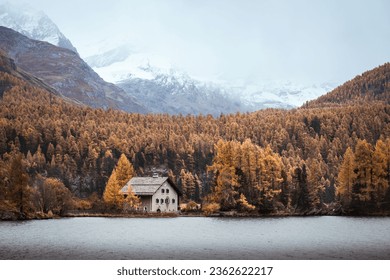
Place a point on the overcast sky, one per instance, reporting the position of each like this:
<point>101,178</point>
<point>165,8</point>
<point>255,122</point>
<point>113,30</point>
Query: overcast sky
<point>307,40</point>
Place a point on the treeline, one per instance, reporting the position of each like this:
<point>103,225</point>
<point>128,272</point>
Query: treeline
<point>364,177</point>
<point>249,178</point>
<point>79,147</point>
<point>373,85</point>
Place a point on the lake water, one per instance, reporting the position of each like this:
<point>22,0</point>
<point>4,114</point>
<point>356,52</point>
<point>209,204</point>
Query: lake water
<point>197,238</point>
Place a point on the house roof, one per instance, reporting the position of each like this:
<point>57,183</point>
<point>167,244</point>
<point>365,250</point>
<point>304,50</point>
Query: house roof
<point>147,185</point>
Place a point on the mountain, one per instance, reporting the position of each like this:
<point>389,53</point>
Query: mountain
<point>154,81</point>
<point>33,24</point>
<point>372,85</point>
<point>276,93</point>
<point>64,71</point>
<point>8,66</point>
<point>177,95</point>
<point>158,84</point>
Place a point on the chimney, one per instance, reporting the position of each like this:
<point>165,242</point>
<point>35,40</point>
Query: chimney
<point>155,174</point>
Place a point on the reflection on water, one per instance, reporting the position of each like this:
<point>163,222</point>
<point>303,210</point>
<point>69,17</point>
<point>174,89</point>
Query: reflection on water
<point>197,238</point>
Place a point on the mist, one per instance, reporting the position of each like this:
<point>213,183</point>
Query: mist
<point>303,41</point>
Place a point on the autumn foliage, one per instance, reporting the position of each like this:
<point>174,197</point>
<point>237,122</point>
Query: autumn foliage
<point>112,196</point>
<point>269,161</point>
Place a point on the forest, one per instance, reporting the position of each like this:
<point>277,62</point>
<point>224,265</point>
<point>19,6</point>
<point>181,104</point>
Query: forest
<point>331,156</point>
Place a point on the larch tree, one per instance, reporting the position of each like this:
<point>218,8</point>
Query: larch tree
<point>112,196</point>
<point>124,170</point>
<point>18,181</point>
<point>363,189</point>
<point>121,174</point>
<point>270,178</point>
<point>226,180</point>
<point>303,201</point>
<point>381,166</point>
<point>346,178</point>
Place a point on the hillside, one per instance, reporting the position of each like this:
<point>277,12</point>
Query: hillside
<point>294,155</point>
<point>8,66</point>
<point>373,85</point>
<point>64,71</point>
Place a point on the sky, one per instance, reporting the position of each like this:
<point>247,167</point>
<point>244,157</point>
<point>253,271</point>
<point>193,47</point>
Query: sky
<point>302,40</point>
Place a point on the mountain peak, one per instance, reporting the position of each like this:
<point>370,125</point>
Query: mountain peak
<point>33,24</point>
<point>64,71</point>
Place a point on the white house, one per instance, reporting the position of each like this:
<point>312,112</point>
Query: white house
<point>157,194</point>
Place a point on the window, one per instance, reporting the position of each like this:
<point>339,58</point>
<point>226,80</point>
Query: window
<point>157,200</point>
<point>162,190</point>
<point>167,191</point>
<point>162,201</point>
<point>173,200</point>
<point>167,200</point>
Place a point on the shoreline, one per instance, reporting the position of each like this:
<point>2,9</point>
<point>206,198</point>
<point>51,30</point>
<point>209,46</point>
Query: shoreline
<point>194,215</point>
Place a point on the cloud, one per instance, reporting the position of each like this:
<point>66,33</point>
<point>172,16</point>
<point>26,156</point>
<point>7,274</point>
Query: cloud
<point>235,39</point>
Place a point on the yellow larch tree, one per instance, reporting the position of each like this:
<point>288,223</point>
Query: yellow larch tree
<point>346,178</point>
<point>113,196</point>
<point>381,166</point>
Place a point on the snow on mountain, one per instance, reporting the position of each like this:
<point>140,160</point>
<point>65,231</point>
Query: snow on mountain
<point>152,77</point>
<point>146,75</point>
<point>124,63</point>
<point>33,24</point>
<point>159,85</point>
<point>276,93</point>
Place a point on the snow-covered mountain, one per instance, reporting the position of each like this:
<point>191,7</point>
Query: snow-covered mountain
<point>123,62</point>
<point>276,93</point>
<point>33,24</point>
<point>175,95</point>
<point>159,85</point>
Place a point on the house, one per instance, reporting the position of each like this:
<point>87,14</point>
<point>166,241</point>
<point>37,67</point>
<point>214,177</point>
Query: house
<point>157,194</point>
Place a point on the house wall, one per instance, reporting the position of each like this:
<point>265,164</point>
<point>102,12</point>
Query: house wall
<point>169,197</point>
<point>146,201</point>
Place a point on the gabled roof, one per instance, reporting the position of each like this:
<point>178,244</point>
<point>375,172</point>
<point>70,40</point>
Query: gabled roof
<point>147,185</point>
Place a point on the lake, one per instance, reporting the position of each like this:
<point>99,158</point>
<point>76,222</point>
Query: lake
<point>197,238</point>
